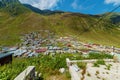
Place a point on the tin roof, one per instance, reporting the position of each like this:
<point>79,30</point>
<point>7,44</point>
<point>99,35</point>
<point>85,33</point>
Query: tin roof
<point>118,55</point>
<point>2,55</point>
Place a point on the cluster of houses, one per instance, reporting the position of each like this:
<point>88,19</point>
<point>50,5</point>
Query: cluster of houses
<point>34,44</point>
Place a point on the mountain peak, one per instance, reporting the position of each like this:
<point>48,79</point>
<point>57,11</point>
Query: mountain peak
<point>5,3</point>
<point>13,7</point>
<point>8,1</point>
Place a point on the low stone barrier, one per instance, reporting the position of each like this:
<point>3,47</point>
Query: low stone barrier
<point>27,74</point>
<point>68,61</point>
<point>91,61</point>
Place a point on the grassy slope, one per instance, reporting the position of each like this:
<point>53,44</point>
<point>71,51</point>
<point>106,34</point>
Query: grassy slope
<point>11,28</point>
<point>47,65</point>
<point>41,63</point>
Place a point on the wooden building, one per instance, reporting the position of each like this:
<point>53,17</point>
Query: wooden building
<point>5,58</point>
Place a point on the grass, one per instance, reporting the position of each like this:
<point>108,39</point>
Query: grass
<point>88,74</point>
<point>43,64</point>
<point>99,62</point>
<point>96,65</point>
<point>102,62</point>
<point>12,27</point>
<point>83,74</point>
<point>108,67</point>
<point>47,65</point>
<point>82,65</point>
<point>100,55</point>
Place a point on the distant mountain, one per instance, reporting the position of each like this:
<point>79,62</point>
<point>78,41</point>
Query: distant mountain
<point>13,7</point>
<point>9,2</point>
<point>43,12</point>
<point>113,17</point>
<point>17,19</point>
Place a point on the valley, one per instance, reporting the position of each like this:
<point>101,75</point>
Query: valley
<point>40,44</point>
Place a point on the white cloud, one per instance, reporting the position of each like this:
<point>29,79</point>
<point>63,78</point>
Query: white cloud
<point>74,4</point>
<point>81,5</point>
<point>42,4</point>
<point>115,2</point>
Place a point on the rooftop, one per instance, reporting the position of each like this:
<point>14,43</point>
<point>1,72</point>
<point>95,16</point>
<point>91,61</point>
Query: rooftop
<point>2,55</point>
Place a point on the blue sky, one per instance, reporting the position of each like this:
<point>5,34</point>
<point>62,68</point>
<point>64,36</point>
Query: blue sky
<point>80,6</point>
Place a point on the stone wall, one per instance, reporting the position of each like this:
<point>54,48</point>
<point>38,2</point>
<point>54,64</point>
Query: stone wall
<point>27,74</point>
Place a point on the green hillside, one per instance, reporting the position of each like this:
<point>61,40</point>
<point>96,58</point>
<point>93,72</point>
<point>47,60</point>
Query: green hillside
<point>21,20</point>
<point>114,17</point>
<point>12,7</point>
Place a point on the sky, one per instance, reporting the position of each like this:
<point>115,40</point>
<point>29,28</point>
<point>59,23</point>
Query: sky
<point>79,6</point>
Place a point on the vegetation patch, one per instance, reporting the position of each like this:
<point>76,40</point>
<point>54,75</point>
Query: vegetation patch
<point>108,67</point>
<point>93,55</point>
<point>99,62</point>
<point>83,74</point>
<point>46,65</point>
<point>88,74</point>
<point>82,65</point>
<point>100,55</point>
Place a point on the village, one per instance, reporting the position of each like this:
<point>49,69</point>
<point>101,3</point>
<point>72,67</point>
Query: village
<point>36,43</point>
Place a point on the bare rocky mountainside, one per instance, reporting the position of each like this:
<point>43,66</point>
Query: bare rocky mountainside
<point>17,19</point>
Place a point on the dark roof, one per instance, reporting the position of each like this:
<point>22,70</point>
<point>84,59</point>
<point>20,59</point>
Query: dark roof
<point>2,55</point>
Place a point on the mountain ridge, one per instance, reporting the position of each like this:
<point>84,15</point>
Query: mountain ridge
<point>43,12</point>
<point>114,17</point>
<point>63,24</point>
<point>13,7</point>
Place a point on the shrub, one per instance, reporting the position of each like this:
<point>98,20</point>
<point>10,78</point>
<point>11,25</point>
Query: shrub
<point>107,72</point>
<point>68,75</point>
<point>96,65</point>
<point>97,72</point>
<point>82,65</point>
<point>99,62</point>
<point>100,56</point>
<point>103,78</point>
<point>88,74</point>
<point>108,66</point>
<point>43,64</point>
<point>102,62</point>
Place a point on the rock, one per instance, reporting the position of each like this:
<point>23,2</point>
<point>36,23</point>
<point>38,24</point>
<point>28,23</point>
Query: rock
<point>36,73</point>
<point>62,70</point>
<point>39,74</point>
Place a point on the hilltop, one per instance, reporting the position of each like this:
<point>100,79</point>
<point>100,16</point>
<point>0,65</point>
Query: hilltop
<point>12,7</point>
<point>115,18</point>
<point>17,19</point>
<point>42,12</point>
